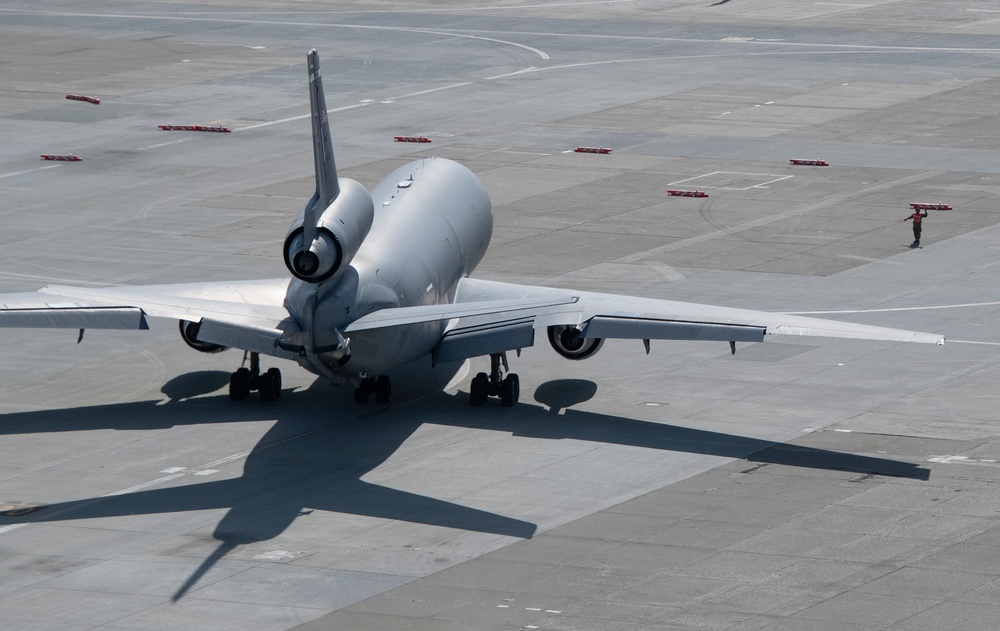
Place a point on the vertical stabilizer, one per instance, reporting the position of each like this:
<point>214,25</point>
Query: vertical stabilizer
<point>327,185</point>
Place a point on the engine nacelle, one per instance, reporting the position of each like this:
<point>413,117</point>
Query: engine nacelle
<point>189,333</point>
<point>568,342</point>
<point>340,230</point>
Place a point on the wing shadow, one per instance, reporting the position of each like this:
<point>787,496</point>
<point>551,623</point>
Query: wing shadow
<point>301,463</point>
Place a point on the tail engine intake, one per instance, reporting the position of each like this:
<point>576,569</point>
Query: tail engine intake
<point>568,342</point>
<point>339,232</point>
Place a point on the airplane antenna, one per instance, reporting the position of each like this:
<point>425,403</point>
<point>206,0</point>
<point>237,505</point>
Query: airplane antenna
<point>327,184</point>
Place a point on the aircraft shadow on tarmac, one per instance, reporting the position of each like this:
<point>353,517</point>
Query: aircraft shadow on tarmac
<point>313,457</point>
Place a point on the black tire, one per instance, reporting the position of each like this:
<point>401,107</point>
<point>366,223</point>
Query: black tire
<point>477,391</point>
<point>275,375</point>
<point>267,387</point>
<point>361,394</point>
<point>383,388</point>
<point>239,384</point>
<point>510,391</point>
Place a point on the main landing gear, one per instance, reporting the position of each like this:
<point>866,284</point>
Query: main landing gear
<point>382,388</point>
<point>495,384</point>
<point>246,380</point>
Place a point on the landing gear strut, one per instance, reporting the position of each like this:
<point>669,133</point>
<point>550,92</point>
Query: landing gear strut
<point>382,388</point>
<point>495,384</point>
<point>246,380</point>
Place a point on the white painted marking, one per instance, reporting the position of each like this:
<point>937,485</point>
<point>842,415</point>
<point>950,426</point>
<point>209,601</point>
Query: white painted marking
<point>983,10</point>
<point>764,185</point>
<point>503,606</point>
<point>164,144</point>
<point>552,611</point>
<point>955,306</point>
<point>668,272</point>
<point>204,472</point>
<point>226,460</point>
<point>589,63</point>
<point>777,178</point>
<point>950,341</point>
<point>528,153</point>
<point>173,470</point>
<point>11,527</point>
<point>298,118</point>
<point>540,53</point>
<point>50,166</point>
<point>422,92</point>
<point>769,103</point>
<point>145,485</point>
<point>532,608</point>
<point>844,431</point>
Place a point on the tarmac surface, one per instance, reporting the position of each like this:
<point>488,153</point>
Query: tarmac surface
<point>800,484</point>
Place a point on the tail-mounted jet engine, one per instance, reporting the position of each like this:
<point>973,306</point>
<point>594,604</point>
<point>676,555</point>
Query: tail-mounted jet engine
<point>189,333</point>
<point>339,232</point>
<point>570,343</point>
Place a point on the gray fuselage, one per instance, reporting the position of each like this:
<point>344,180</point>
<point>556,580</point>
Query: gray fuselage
<point>433,223</point>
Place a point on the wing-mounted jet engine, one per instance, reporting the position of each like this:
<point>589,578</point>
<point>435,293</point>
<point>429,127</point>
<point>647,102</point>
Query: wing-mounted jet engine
<point>569,342</point>
<point>189,333</point>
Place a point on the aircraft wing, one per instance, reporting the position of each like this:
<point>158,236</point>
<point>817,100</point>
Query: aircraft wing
<point>247,314</point>
<point>491,317</point>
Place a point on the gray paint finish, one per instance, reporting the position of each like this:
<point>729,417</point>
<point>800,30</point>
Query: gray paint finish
<point>625,467</point>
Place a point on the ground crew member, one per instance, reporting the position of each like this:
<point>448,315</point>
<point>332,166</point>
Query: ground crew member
<point>917,219</point>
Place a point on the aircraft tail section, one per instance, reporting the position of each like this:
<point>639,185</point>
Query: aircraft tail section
<point>328,232</point>
<point>327,184</point>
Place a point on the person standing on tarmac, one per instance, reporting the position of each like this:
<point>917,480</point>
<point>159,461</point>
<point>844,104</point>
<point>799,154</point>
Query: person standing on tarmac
<point>917,219</point>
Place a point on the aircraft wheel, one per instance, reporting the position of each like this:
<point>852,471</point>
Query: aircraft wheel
<point>510,391</point>
<point>269,385</point>
<point>275,376</point>
<point>366,387</point>
<point>383,388</point>
<point>239,384</point>
<point>477,392</point>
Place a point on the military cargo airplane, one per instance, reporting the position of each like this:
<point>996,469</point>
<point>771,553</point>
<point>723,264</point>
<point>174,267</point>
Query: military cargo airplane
<point>381,278</point>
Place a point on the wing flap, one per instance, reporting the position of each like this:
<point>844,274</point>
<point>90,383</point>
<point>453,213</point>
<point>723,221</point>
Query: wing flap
<point>655,329</point>
<point>248,338</point>
<point>125,318</point>
<point>474,340</point>
<point>614,316</point>
<point>496,309</point>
